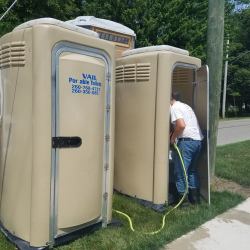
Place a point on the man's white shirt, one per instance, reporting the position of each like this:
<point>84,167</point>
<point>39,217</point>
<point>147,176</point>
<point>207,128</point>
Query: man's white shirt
<point>181,110</point>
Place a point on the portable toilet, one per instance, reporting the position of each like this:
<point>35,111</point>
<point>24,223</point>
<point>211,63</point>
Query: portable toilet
<point>145,80</point>
<point>57,138</point>
<point>123,37</point>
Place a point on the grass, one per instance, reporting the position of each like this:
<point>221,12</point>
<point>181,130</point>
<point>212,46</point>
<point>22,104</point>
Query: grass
<point>5,244</point>
<point>232,162</point>
<point>230,115</point>
<point>178,222</point>
<point>234,118</point>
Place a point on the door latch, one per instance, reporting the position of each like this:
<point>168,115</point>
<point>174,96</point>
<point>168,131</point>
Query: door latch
<point>66,142</point>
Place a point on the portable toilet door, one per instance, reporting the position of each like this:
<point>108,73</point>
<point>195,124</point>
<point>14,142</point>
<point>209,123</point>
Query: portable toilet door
<point>197,98</point>
<point>78,136</point>
<point>57,141</point>
<point>201,109</point>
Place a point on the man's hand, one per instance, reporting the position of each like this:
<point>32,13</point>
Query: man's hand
<point>172,139</point>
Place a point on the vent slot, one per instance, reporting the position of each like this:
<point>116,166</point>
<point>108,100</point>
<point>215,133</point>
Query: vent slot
<point>133,72</point>
<point>180,76</point>
<point>12,54</point>
<point>5,46</point>
<point>129,72</point>
<point>143,72</point>
<point>120,74</point>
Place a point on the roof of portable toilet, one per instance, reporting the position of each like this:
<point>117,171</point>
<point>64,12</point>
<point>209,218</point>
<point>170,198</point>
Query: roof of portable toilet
<point>101,23</point>
<point>155,48</point>
<point>56,22</point>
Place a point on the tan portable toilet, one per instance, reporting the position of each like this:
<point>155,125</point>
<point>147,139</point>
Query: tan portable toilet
<point>122,36</point>
<point>145,79</point>
<point>57,138</point>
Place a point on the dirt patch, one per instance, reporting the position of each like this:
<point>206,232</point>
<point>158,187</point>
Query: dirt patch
<point>220,185</point>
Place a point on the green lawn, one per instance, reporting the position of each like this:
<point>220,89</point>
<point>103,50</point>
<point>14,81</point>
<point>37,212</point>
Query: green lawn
<point>179,222</point>
<point>233,162</point>
<point>234,118</point>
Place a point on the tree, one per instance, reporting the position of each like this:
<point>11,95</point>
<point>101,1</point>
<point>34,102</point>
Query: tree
<point>234,94</point>
<point>179,23</point>
<point>237,27</point>
<point>27,10</point>
<point>241,85</point>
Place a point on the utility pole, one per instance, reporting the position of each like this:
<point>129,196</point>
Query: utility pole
<point>215,37</point>
<point>225,84</point>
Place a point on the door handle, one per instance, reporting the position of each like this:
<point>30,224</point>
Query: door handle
<point>66,142</point>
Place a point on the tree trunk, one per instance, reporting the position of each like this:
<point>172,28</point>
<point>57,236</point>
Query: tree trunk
<point>246,107</point>
<point>215,35</point>
<point>235,108</point>
<point>240,108</point>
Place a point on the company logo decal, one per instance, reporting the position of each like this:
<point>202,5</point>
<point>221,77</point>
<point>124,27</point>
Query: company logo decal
<point>87,85</point>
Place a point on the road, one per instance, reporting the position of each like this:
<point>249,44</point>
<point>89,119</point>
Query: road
<point>233,131</point>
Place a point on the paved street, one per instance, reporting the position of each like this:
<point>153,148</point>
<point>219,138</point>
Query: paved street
<point>233,131</point>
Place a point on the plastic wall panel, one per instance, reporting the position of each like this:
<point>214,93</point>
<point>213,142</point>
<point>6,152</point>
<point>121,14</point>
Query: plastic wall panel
<point>135,125</point>
<point>16,149</point>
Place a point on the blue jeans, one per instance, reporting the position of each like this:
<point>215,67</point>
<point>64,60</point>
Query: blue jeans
<point>190,151</point>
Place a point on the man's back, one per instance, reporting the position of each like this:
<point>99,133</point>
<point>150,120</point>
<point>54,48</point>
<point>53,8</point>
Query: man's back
<point>181,110</point>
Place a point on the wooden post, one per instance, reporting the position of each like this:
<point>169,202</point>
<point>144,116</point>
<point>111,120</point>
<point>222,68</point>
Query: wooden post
<point>215,36</point>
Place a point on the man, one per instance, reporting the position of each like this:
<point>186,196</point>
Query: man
<point>188,132</point>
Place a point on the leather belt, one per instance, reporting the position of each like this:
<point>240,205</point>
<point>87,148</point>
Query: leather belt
<point>186,139</point>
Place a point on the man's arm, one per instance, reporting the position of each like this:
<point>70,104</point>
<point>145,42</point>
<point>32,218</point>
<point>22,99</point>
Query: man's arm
<point>180,126</point>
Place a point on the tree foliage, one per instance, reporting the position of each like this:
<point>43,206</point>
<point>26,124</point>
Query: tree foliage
<point>237,30</point>
<point>26,10</point>
<point>178,23</point>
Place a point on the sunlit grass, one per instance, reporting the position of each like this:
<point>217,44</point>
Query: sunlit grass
<point>233,162</point>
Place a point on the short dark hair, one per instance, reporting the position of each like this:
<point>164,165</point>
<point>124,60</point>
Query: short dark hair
<point>173,97</point>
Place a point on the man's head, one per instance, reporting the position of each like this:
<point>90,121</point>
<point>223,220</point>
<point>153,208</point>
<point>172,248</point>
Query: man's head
<point>173,99</point>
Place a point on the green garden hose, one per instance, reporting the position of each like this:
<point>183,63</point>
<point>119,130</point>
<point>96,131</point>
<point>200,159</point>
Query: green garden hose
<point>163,219</point>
